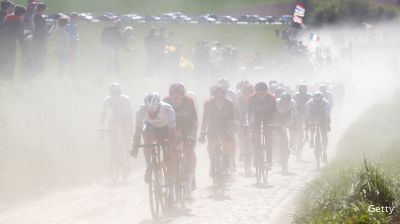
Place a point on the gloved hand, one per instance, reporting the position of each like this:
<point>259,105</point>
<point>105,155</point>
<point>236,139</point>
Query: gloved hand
<point>202,138</point>
<point>135,150</point>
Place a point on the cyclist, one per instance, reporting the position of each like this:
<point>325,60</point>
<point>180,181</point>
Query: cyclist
<point>245,89</point>
<point>232,96</point>
<point>117,119</point>
<point>217,123</point>
<point>318,110</point>
<point>301,98</point>
<point>155,121</point>
<point>323,88</point>
<point>186,126</point>
<point>261,112</point>
<point>278,91</point>
<point>285,116</point>
<point>230,93</point>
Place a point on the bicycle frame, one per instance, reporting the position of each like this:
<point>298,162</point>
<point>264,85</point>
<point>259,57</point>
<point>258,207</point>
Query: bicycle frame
<point>158,185</point>
<point>318,144</point>
<point>263,155</point>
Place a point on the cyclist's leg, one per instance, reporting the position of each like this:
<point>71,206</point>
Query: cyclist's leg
<point>300,137</point>
<point>312,134</point>
<point>189,158</point>
<point>211,146</point>
<point>190,165</point>
<point>228,145</point>
<point>149,138</point>
<point>284,149</point>
<point>268,145</point>
<point>324,135</point>
<point>256,142</point>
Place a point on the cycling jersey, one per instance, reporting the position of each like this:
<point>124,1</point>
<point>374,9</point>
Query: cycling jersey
<point>243,105</point>
<point>186,115</point>
<point>328,96</point>
<point>262,107</point>
<point>218,121</point>
<point>301,99</point>
<point>285,112</point>
<point>120,108</point>
<point>164,118</point>
<point>318,111</point>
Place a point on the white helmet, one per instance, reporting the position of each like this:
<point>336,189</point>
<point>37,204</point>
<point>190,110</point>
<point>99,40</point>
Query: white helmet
<point>152,101</point>
<point>115,89</point>
<point>223,82</point>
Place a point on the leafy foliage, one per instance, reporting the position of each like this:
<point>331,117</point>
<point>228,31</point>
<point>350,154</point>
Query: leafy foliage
<point>325,12</point>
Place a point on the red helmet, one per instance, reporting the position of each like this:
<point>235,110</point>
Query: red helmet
<point>177,89</point>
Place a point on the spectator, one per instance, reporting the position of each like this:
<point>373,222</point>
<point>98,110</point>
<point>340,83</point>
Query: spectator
<point>111,41</point>
<point>27,55</point>
<point>40,34</point>
<point>155,52</point>
<point>12,32</point>
<point>62,45</point>
<point>28,17</point>
<point>7,8</point>
<point>201,59</point>
<point>73,37</point>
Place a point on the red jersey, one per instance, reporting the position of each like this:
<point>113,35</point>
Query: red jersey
<point>186,115</point>
<point>218,120</point>
<point>262,107</point>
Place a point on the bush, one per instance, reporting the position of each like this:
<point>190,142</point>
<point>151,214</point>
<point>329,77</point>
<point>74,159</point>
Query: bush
<point>373,186</point>
<point>322,12</point>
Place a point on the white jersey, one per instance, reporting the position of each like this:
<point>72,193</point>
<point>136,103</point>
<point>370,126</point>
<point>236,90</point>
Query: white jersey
<point>164,118</point>
<point>120,108</point>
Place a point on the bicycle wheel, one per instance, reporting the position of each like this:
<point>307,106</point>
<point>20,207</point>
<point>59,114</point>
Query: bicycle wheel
<point>258,160</point>
<point>318,147</point>
<point>263,168</point>
<point>247,160</point>
<point>180,190</point>
<point>162,187</point>
<point>154,191</point>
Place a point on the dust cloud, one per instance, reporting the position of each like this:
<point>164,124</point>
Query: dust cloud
<point>49,137</point>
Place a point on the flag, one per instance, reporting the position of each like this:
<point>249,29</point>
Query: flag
<point>314,37</point>
<point>299,10</point>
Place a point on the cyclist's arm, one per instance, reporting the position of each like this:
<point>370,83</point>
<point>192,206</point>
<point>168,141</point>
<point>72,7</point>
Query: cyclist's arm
<point>194,118</point>
<point>171,123</point>
<point>140,116</point>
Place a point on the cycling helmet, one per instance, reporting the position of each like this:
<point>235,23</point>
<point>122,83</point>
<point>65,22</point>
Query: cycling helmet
<point>273,82</point>
<point>286,97</point>
<point>303,88</point>
<point>177,89</point>
<point>279,91</point>
<point>249,89</point>
<point>242,84</point>
<point>261,87</point>
<point>152,101</point>
<point>223,82</point>
<point>317,96</point>
<point>128,31</point>
<point>217,91</point>
<point>115,89</point>
<point>323,88</point>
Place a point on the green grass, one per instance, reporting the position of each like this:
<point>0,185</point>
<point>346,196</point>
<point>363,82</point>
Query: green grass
<point>150,6</point>
<point>349,184</point>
